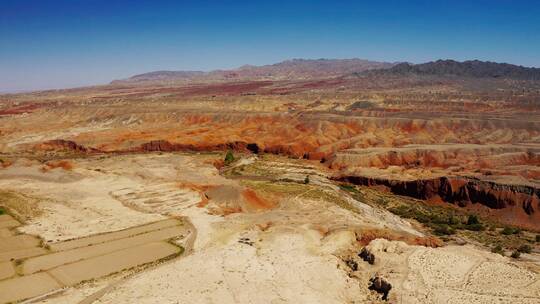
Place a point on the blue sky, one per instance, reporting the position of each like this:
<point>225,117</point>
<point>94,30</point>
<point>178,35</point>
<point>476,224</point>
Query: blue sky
<point>58,44</point>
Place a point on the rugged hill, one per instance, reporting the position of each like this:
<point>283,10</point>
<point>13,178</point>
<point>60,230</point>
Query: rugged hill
<point>289,69</point>
<point>470,68</point>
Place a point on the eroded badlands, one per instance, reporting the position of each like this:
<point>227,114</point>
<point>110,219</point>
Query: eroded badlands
<point>169,228</point>
<point>350,189</point>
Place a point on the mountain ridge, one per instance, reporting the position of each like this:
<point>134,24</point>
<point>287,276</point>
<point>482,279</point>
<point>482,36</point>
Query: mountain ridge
<point>288,69</point>
<point>468,68</point>
<point>327,68</point>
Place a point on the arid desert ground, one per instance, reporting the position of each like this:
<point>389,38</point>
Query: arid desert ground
<point>301,182</point>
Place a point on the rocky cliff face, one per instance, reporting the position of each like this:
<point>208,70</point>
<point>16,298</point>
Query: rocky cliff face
<point>513,204</point>
<point>166,146</point>
<point>68,145</point>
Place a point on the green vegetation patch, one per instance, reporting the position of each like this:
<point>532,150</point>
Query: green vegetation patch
<point>446,220</point>
<point>510,231</point>
<point>281,187</point>
<point>300,190</point>
<point>229,158</point>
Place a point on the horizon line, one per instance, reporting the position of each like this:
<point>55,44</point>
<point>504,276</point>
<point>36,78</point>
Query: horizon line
<point>23,91</point>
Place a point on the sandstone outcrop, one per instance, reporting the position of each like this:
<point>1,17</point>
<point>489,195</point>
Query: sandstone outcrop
<point>522,203</point>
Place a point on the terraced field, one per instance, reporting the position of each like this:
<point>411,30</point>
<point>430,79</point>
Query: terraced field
<point>28,268</point>
<point>157,198</point>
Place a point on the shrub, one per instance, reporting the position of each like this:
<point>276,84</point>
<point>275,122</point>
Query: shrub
<point>348,187</point>
<point>443,229</point>
<point>401,210</point>
<point>452,220</point>
<point>2,211</point>
<point>306,180</point>
<point>381,201</point>
<point>473,223</point>
<point>229,157</point>
<point>538,238</point>
<point>438,219</point>
<point>498,249</point>
<point>524,248</point>
<point>475,227</point>
<point>473,220</point>
<point>421,217</point>
<point>510,230</point>
<point>507,231</point>
<point>515,254</point>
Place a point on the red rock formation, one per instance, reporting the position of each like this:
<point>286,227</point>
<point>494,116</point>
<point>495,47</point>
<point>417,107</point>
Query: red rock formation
<point>520,205</point>
<point>26,108</point>
<point>61,144</point>
<point>166,146</point>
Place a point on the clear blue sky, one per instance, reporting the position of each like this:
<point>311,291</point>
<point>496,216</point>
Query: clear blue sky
<point>57,44</point>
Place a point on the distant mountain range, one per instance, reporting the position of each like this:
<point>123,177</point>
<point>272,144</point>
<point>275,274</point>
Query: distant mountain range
<point>326,68</point>
<point>290,69</point>
<point>471,68</point>
<point>165,75</point>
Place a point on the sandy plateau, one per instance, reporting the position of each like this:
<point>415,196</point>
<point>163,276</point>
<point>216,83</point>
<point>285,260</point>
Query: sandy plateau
<point>170,228</point>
